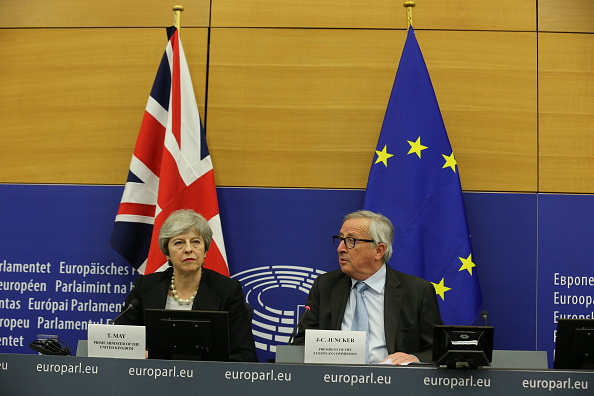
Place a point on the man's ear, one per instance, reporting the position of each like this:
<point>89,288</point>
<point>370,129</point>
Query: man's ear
<point>380,250</point>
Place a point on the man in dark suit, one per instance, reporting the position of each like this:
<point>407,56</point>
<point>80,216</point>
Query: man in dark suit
<point>402,309</point>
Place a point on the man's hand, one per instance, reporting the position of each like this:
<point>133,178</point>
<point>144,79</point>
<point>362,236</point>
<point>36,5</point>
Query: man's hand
<point>399,358</point>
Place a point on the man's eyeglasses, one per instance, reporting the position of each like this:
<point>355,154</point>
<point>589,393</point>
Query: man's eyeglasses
<point>349,242</point>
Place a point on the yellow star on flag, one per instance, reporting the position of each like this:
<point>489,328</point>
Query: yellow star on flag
<point>450,162</point>
<point>440,289</point>
<point>416,147</point>
<point>382,156</point>
<point>467,264</point>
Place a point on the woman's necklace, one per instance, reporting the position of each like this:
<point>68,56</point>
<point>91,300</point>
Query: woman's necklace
<point>181,301</point>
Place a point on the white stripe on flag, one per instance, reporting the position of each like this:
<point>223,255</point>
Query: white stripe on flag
<point>143,193</point>
<point>217,235</point>
<point>155,109</point>
<point>135,219</point>
<point>138,193</point>
<point>145,174</point>
<point>189,169</point>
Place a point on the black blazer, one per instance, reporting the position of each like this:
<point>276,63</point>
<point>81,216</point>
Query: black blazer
<point>216,293</point>
<point>410,310</point>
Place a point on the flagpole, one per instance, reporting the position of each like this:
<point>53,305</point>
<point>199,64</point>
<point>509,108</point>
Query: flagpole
<point>177,10</point>
<point>409,11</point>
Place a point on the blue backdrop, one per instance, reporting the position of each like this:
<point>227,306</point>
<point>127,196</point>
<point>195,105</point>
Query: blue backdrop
<point>527,247</point>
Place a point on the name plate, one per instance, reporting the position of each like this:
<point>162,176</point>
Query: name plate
<point>334,347</point>
<point>117,341</point>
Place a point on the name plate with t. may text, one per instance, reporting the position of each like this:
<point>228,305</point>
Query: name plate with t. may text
<point>334,347</point>
<point>117,341</point>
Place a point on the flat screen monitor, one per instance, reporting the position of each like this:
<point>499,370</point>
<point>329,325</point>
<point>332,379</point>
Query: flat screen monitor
<point>574,344</point>
<point>462,346</point>
<point>187,335</point>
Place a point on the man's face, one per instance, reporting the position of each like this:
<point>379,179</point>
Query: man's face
<point>365,259</point>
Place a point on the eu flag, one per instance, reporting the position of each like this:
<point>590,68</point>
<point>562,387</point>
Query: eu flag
<point>414,181</point>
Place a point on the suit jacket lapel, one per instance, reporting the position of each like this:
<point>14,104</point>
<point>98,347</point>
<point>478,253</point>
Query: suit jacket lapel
<point>339,297</point>
<point>206,299</point>
<point>392,306</point>
<point>156,296</point>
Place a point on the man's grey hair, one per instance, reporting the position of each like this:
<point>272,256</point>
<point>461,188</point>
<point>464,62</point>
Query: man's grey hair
<point>381,229</point>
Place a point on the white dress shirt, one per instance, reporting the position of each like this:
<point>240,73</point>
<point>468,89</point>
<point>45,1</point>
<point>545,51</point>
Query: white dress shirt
<point>374,301</point>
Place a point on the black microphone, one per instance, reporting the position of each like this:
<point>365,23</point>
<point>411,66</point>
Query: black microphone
<point>133,304</point>
<point>307,308</point>
<point>484,315</point>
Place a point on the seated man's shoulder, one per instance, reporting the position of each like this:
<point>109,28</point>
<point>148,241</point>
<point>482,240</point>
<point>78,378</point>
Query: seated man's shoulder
<point>410,279</point>
<point>330,277</point>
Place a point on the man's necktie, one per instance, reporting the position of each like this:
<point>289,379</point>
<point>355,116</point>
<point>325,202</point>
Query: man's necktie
<point>361,318</point>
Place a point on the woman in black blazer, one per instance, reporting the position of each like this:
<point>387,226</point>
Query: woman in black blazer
<point>185,239</point>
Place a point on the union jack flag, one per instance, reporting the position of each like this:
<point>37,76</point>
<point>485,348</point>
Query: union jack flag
<point>171,169</point>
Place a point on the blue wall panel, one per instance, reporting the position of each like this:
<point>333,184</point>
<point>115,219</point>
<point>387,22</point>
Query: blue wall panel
<point>283,236</point>
<point>565,251</point>
<point>503,229</point>
<point>68,227</point>
<point>283,226</point>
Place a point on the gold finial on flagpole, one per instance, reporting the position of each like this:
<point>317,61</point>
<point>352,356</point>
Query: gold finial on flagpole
<point>177,10</point>
<point>409,6</point>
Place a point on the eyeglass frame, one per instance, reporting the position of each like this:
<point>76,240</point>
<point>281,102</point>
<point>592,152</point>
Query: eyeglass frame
<point>344,239</point>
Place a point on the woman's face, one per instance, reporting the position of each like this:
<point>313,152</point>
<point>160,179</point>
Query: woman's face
<point>186,252</point>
